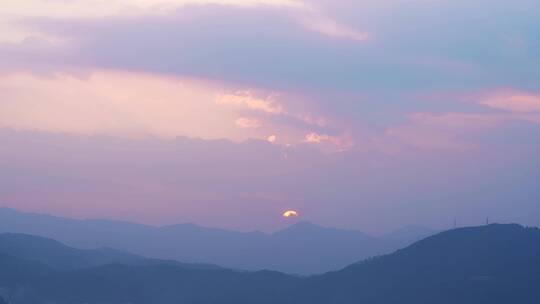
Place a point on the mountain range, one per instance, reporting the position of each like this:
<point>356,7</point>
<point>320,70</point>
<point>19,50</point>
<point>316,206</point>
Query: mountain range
<point>493,264</point>
<point>302,248</point>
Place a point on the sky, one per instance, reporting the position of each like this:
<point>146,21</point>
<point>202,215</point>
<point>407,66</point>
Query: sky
<point>368,115</point>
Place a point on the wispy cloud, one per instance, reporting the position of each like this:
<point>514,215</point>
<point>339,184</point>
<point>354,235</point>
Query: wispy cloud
<point>136,105</point>
<point>519,102</point>
<point>114,103</point>
<point>100,8</point>
<point>316,138</point>
<point>246,99</point>
<point>246,122</point>
<point>332,28</point>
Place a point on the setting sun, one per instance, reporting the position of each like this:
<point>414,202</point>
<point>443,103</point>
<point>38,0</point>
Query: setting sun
<point>290,213</point>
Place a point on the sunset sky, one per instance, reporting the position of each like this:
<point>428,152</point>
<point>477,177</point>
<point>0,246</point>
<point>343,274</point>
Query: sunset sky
<point>367,115</point>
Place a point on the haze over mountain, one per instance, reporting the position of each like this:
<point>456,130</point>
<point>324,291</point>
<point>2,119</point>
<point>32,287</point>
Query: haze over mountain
<point>24,281</point>
<point>302,248</point>
<point>60,256</point>
<point>492,264</point>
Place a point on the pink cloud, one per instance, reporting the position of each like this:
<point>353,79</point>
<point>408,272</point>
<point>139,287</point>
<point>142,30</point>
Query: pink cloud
<point>248,123</point>
<point>135,105</point>
<point>116,103</point>
<point>518,102</point>
<point>271,138</point>
<point>316,138</point>
<point>330,143</point>
<point>331,28</point>
<point>248,100</point>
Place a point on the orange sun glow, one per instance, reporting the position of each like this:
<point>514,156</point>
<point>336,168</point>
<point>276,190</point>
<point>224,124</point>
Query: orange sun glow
<point>290,213</point>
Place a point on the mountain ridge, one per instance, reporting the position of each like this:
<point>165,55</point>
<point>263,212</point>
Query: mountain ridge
<point>483,264</point>
<point>495,264</point>
<point>60,256</point>
<point>302,248</point>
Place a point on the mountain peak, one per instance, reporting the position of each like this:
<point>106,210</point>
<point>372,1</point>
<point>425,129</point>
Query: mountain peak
<point>308,230</point>
<point>303,227</point>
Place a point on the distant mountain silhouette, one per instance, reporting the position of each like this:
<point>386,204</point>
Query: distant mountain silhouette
<point>303,248</point>
<point>496,264</point>
<point>42,277</point>
<point>60,256</point>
